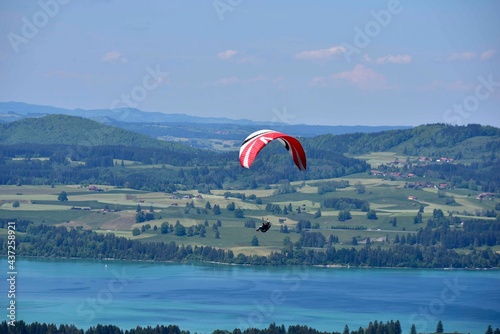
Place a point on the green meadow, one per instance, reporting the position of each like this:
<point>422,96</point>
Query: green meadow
<point>114,210</point>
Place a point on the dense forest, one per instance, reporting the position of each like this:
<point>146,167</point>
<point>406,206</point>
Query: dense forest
<point>435,140</point>
<point>203,172</point>
<point>430,248</point>
<point>72,130</point>
<point>375,327</point>
<point>58,149</point>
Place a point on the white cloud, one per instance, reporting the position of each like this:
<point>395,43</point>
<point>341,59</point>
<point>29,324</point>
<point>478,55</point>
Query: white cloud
<point>321,53</point>
<point>318,82</point>
<point>462,56</point>
<point>259,78</point>
<point>487,54</point>
<point>113,56</point>
<point>276,81</point>
<point>227,54</point>
<point>389,59</point>
<point>238,57</point>
<point>363,78</point>
<point>457,85</point>
<point>226,81</point>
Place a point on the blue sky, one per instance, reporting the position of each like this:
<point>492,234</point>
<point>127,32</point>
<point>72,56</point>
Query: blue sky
<point>397,62</point>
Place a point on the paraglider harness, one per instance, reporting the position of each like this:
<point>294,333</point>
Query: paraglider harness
<point>265,226</point>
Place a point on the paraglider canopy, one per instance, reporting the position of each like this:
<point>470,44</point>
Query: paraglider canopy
<point>255,142</point>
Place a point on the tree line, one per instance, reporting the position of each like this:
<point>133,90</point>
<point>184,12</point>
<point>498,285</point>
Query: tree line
<point>483,174</point>
<point>446,232</point>
<point>375,327</point>
<point>51,241</point>
<point>433,140</point>
<point>204,170</point>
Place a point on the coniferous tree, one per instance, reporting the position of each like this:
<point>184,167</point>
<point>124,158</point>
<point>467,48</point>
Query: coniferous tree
<point>216,209</point>
<point>164,228</point>
<point>239,213</point>
<point>397,328</point>
<point>344,215</point>
<point>179,229</point>
<point>437,213</point>
<point>372,214</point>
<point>63,196</point>
<point>255,241</point>
<point>439,327</point>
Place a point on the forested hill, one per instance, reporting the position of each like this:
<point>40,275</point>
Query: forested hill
<point>469,141</point>
<point>460,142</point>
<point>73,130</point>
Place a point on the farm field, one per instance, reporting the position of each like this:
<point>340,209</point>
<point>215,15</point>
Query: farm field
<point>114,210</point>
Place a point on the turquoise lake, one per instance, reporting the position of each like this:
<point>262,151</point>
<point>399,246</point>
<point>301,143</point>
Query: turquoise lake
<point>204,297</point>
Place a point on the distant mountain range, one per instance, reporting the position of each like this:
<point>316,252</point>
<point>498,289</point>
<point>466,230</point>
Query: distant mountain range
<point>157,124</point>
<point>25,123</point>
<point>11,111</point>
<point>469,142</point>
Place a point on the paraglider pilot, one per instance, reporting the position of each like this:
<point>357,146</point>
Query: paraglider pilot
<point>265,226</point>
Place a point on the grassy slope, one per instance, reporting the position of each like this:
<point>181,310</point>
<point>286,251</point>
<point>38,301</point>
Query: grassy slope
<point>388,198</point>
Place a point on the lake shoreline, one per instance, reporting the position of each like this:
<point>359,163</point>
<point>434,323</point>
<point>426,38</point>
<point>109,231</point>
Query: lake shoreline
<point>329,266</point>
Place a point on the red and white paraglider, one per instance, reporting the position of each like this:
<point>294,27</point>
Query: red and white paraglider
<point>257,140</point>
